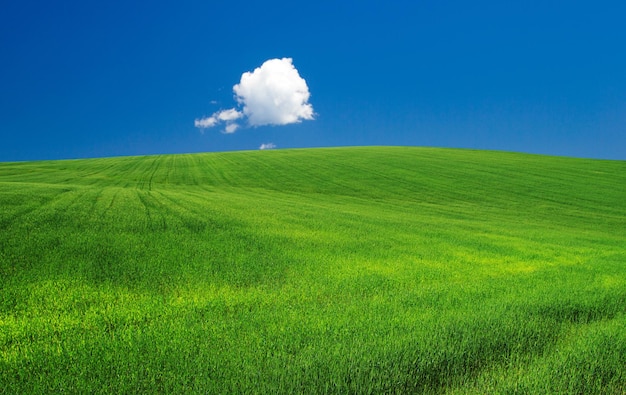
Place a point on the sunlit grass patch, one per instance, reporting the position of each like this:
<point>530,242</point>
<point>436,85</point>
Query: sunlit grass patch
<point>355,270</point>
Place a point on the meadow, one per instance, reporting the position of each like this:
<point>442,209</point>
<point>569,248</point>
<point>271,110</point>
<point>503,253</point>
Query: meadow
<point>342,270</point>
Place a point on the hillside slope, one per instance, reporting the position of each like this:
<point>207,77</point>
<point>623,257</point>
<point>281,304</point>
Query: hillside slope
<point>333,270</point>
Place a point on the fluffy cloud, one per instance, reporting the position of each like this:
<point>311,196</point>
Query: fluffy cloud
<point>267,146</point>
<point>207,122</point>
<point>273,94</point>
<point>228,116</point>
<point>231,128</point>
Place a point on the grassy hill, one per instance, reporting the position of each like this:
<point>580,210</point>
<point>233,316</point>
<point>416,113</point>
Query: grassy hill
<point>347,270</point>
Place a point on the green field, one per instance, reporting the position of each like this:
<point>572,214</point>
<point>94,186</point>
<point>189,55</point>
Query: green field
<point>345,270</point>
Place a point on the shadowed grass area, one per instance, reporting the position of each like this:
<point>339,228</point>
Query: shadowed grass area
<point>348,270</point>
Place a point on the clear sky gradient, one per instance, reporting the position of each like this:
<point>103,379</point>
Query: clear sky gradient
<point>90,79</point>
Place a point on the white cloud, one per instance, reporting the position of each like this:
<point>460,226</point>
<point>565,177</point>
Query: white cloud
<point>273,94</point>
<point>206,122</point>
<point>267,146</point>
<point>231,128</point>
<point>228,115</point>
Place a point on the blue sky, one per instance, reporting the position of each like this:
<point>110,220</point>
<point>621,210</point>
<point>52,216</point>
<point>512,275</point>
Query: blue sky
<point>90,79</point>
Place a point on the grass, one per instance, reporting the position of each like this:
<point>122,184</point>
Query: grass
<point>352,270</point>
